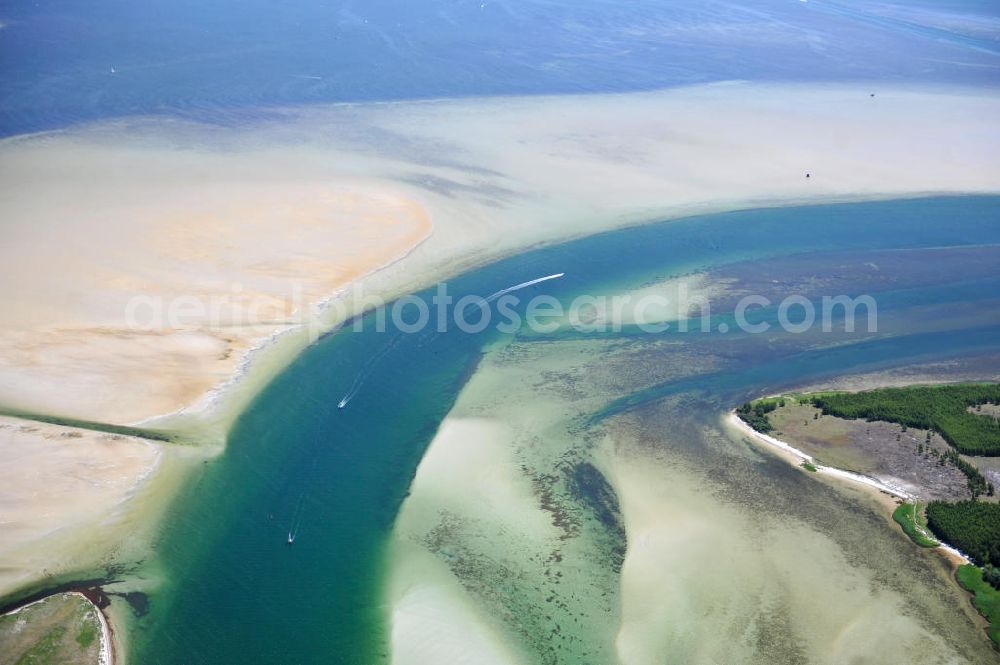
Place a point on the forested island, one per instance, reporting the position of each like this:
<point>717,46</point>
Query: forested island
<point>922,437</point>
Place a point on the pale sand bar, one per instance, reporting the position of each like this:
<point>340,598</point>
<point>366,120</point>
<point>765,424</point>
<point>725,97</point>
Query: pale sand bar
<point>261,223</point>
<point>60,483</point>
<point>262,214</point>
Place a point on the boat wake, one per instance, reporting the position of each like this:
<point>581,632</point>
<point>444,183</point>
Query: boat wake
<point>522,285</point>
<point>366,371</point>
<point>369,366</point>
<point>293,530</point>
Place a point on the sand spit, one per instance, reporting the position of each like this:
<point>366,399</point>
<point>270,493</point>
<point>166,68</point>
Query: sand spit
<point>882,486</point>
<point>217,241</point>
<point>107,643</point>
<point>181,246</point>
<point>491,538</point>
<point>75,502</point>
<point>472,514</point>
<point>137,293</point>
<point>58,483</point>
<point>797,455</point>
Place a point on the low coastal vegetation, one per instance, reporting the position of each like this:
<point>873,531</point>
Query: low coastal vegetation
<point>755,413</point>
<point>953,411</point>
<point>944,409</point>
<point>985,597</point>
<point>62,629</point>
<point>908,516</point>
<point>964,416</point>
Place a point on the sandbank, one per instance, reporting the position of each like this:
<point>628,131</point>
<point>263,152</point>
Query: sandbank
<point>76,502</point>
<point>704,581</point>
<point>263,223</point>
<point>279,216</point>
<point>706,577</point>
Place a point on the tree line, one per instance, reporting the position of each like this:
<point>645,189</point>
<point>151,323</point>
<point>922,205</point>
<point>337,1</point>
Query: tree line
<point>971,526</point>
<point>939,408</point>
<point>755,413</point>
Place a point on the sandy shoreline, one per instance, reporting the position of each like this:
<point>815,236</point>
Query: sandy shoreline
<point>107,654</point>
<point>876,488</point>
<point>59,483</point>
<point>270,225</point>
<point>710,541</point>
<point>284,217</point>
<point>106,651</point>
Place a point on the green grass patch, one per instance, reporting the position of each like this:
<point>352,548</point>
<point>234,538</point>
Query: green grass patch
<point>87,633</point>
<point>907,516</point>
<point>809,466</point>
<point>985,598</point>
<point>46,650</point>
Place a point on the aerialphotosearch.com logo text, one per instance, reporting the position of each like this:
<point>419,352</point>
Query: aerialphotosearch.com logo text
<point>509,311</point>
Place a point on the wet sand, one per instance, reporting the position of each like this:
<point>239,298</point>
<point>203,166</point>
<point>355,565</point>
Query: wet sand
<point>730,555</point>
<point>267,220</point>
<point>65,491</point>
<point>278,216</point>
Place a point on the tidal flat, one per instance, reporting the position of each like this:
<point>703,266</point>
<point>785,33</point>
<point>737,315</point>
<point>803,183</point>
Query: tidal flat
<point>261,225</point>
<point>196,195</point>
<point>537,533</point>
<point>657,535</point>
<point>551,488</point>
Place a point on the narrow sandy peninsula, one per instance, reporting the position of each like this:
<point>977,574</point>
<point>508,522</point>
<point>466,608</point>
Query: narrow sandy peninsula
<point>148,261</point>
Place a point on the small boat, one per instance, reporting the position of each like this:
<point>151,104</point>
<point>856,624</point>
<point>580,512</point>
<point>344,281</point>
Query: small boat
<point>291,539</point>
<point>342,403</point>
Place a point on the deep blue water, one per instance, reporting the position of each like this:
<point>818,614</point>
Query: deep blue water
<point>236,592</point>
<point>65,61</point>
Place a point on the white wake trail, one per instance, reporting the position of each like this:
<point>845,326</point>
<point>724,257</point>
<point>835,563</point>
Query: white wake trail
<point>366,370</point>
<point>293,530</point>
<point>523,285</point>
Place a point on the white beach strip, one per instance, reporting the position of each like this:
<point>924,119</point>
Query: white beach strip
<point>20,609</point>
<point>954,551</point>
<point>738,422</point>
<point>106,651</point>
<point>881,485</point>
<point>106,656</point>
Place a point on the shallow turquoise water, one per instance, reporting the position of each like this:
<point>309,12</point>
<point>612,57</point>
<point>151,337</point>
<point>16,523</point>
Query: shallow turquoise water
<point>238,592</point>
